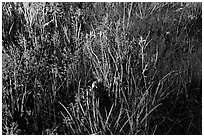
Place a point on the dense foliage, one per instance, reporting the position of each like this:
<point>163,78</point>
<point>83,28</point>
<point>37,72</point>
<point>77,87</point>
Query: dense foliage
<point>101,68</point>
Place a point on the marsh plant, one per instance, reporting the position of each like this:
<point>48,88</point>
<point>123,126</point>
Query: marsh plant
<point>101,68</point>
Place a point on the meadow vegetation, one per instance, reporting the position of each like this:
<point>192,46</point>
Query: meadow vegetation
<point>145,60</point>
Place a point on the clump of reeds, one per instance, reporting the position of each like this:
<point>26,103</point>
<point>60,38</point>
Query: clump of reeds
<point>101,68</point>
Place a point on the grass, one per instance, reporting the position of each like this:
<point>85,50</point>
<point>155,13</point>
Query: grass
<point>101,68</point>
